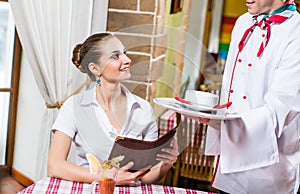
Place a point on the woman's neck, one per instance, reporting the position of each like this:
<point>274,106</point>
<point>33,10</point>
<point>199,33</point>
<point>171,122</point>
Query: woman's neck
<point>109,92</point>
<point>113,101</point>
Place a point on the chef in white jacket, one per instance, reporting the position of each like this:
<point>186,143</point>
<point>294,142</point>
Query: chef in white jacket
<point>260,151</point>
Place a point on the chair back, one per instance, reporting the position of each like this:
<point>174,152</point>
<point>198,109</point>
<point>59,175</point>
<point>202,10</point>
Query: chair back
<point>192,163</point>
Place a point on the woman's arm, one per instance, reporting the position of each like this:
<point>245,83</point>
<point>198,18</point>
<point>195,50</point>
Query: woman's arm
<point>59,167</point>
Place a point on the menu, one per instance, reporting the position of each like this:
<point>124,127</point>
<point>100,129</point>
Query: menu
<point>141,153</point>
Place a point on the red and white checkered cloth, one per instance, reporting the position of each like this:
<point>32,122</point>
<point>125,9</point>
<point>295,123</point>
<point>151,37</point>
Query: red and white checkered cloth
<point>166,122</point>
<point>58,186</point>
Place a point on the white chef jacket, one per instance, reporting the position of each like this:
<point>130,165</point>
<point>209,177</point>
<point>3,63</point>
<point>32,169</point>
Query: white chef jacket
<point>82,118</point>
<point>260,152</point>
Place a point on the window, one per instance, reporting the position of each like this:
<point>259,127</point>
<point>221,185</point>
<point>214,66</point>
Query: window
<point>297,2</point>
<point>10,54</point>
<point>176,6</point>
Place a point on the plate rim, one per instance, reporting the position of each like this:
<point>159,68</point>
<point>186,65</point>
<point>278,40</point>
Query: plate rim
<point>195,113</point>
<point>200,108</point>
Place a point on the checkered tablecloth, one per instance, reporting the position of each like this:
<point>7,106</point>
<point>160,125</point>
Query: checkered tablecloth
<point>58,186</point>
<point>166,122</point>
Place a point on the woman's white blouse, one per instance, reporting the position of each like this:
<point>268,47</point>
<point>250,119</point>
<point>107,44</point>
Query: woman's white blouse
<point>83,120</point>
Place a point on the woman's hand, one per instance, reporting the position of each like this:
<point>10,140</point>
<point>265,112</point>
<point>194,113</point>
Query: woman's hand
<point>171,154</point>
<point>125,177</point>
<point>166,159</point>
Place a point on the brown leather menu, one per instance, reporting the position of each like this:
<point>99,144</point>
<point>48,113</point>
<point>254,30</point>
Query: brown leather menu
<point>142,153</point>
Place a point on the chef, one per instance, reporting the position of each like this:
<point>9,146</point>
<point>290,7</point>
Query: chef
<point>260,151</point>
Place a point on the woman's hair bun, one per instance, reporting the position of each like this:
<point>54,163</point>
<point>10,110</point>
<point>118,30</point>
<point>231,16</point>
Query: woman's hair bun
<point>76,58</point>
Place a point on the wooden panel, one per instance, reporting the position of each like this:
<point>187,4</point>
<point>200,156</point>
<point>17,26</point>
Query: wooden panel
<point>14,101</point>
<point>21,178</point>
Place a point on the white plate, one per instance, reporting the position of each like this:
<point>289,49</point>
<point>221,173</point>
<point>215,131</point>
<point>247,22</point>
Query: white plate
<point>195,107</point>
<point>210,113</point>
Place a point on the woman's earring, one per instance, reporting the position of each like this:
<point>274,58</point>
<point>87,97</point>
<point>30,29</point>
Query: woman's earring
<point>98,81</point>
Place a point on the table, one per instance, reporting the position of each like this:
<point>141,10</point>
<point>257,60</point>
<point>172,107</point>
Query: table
<point>54,185</point>
<point>166,122</point>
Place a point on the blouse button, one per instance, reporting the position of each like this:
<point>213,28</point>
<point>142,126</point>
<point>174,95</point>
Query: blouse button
<point>244,97</point>
<point>231,91</point>
<point>240,60</point>
<point>263,35</point>
<point>250,65</point>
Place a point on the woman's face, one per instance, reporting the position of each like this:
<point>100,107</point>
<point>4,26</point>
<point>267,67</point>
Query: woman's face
<point>114,60</point>
<point>263,6</point>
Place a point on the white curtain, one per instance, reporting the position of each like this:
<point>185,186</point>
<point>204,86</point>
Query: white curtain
<point>49,30</point>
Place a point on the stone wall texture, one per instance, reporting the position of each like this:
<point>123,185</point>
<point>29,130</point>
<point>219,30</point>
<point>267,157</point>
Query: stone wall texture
<point>139,24</point>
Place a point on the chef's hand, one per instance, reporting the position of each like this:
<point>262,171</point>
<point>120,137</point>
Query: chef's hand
<point>210,122</point>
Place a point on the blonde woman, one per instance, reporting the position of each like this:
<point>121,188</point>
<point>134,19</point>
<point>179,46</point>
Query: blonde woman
<point>93,119</point>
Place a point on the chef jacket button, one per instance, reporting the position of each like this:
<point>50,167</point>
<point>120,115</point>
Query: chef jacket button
<point>263,35</point>
<point>231,91</point>
<point>240,60</point>
<point>244,97</point>
<point>250,65</point>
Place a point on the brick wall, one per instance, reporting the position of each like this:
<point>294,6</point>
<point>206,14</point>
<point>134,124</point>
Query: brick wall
<point>139,24</point>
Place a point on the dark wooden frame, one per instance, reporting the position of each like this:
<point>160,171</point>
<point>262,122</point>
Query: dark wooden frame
<point>14,91</point>
<point>297,2</point>
<point>176,6</point>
